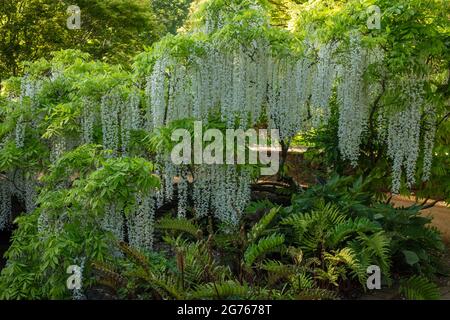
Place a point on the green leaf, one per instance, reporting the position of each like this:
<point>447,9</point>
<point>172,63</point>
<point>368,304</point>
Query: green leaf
<point>411,257</point>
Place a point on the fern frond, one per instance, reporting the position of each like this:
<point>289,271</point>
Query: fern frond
<point>258,229</point>
<point>378,246</point>
<point>180,225</point>
<point>276,267</point>
<point>108,276</point>
<point>300,222</point>
<point>257,206</point>
<point>419,288</point>
<point>135,256</point>
<point>296,254</point>
<point>224,290</point>
<point>317,294</point>
<point>345,256</point>
<point>312,228</point>
<point>302,281</point>
<point>277,270</point>
<point>344,230</point>
<point>166,285</point>
<point>330,275</point>
<point>265,245</point>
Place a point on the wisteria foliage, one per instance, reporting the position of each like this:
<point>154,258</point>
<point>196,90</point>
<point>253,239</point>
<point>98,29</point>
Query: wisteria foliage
<point>244,80</point>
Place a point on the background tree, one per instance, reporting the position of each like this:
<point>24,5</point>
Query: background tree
<point>171,14</point>
<point>111,30</point>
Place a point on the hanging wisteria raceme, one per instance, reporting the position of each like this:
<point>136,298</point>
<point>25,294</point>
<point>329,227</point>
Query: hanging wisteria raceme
<point>5,204</point>
<point>30,195</point>
<point>87,121</point>
<point>253,79</point>
<point>212,23</point>
<point>428,141</point>
<point>59,147</point>
<point>77,293</point>
<point>20,133</point>
<point>157,91</point>
<point>140,223</point>
<point>238,106</point>
<point>243,190</point>
<point>403,139</point>
<point>354,109</point>
<point>169,173</point>
<point>285,110</point>
<point>303,78</point>
<point>259,79</point>
<point>381,126</point>
<point>43,222</point>
<point>225,80</point>
<point>110,109</point>
<point>130,120</point>
<point>234,83</point>
<point>113,221</point>
<point>160,195</point>
<point>202,190</point>
<point>183,189</point>
<point>179,101</point>
<point>55,74</point>
<point>223,190</point>
<point>29,89</point>
<point>22,187</point>
<point>197,87</point>
<point>49,224</point>
<point>324,76</point>
<point>231,194</point>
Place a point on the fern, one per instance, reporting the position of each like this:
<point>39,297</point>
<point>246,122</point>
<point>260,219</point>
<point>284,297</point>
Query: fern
<point>311,229</point>
<point>343,231</point>
<point>378,247</point>
<point>277,270</point>
<point>345,256</point>
<point>302,281</point>
<point>257,206</point>
<point>276,266</point>
<point>258,229</point>
<point>419,288</point>
<point>135,256</point>
<point>166,285</point>
<point>108,276</point>
<point>223,290</point>
<point>316,294</point>
<point>296,254</point>
<point>265,245</point>
<point>180,225</point>
<point>330,275</point>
